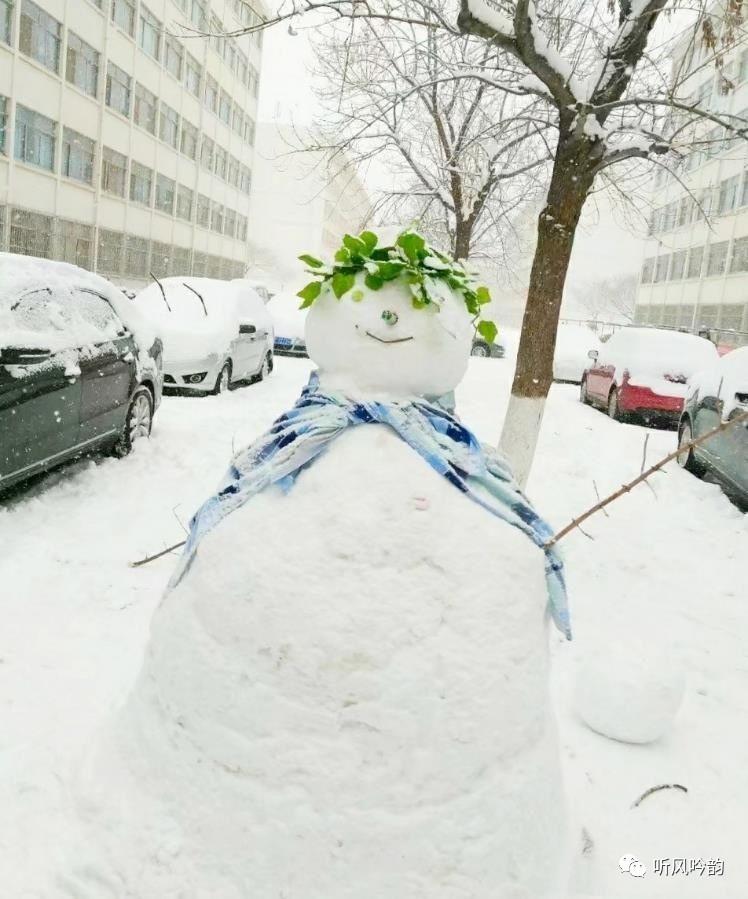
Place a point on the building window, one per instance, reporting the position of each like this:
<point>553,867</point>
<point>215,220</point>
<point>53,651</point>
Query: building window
<point>744,192</point>
<point>647,271</point>
<point>245,182</point>
<point>184,203</point>
<point>173,57</point>
<point>77,156</point>
<point>216,220</point>
<point>40,36</point>
<point>75,243</point>
<point>241,67</point>
<point>221,162</point>
<point>203,211</point>
<point>249,131</point>
<point>728,194</point>
<point>233,172</point>
<point>6,20</point>
<point>3,126</point>
<point>678,265</point>
<point>136,256</point>
<point>684,212</point>
<point>253,81</point>
<point>165,194</point>
<point>685,316</point>
<point>241,227</point>
<point>149,33</point>
<point>739,261</point>
<point>141,183</point>
<point>211,93</point>
<point>193,74</point>
<point>30,234</point>
<point>111,251</point>
<point>82,65</point>
<point>145,108</point>
<point>188,140</point>
<point>661,267</point>
<point>123,14</point>
<point>237,120</point>
<point>118,89</point>
<point>35,138</point>
<point>160,259</point>
<point>197,13</point>
<point>113,172</point>
<point>731,316</point>
<point>224,108</point>
<point>717,259</point>
<point>207,151</point>
<point>695,258</point>
<point>229,223</point>
<point>200,265</point>
<point>168,126</point>
<point>180,261</point>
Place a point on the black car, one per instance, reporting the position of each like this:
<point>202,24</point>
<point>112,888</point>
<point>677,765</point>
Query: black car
<point>74,377</point>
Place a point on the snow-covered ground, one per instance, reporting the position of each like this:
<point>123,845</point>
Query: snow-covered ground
<point>661,579</point>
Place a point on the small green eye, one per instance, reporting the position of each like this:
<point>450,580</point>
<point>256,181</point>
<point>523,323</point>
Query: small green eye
<point>389,317</point>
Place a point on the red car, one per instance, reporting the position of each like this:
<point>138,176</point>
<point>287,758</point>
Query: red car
<point>643,371</point>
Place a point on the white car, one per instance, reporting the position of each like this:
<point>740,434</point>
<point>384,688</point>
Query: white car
<point>289,322</point>
<point>573,343</point>
<point>215,333</point>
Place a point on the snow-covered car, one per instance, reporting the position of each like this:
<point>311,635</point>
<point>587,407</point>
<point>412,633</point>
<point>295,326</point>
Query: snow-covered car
<point>718,393</point>
<point>80,371</point>
<point>571,357</point>
<point>289,323</point>
<point>644,371</point>
<point>216,333</point>
<point>261,289</point>
<point>482,347</point>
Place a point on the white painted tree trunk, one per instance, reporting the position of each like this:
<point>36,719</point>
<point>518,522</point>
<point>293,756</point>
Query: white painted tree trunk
<point>519,436</point>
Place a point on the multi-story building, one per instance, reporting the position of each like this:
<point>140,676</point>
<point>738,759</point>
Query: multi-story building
<point>126,137</point>
<point>305,202</point>
<point>695,269</point>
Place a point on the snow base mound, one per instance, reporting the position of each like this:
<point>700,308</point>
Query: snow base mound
<point>342,698</point>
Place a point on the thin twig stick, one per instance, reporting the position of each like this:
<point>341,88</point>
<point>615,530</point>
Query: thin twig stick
<point>644,453</point>
<point>656,789</point>
<point>575,522</point>
<point>597,494</point>
<point>157,555</point>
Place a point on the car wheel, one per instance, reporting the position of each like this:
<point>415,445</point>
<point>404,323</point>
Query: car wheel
<point>614,410</point>
<point>138,421</point>
<point>480,349</point>
<point>687,459</point>
<point>223,381</point>
<point>267,367</point>
<point>583,395</point>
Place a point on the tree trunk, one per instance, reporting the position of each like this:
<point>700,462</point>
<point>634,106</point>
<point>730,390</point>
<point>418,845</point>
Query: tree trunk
<point>463,236</point>
<point>571,180</point>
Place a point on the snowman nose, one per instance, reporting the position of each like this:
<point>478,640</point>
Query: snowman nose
<point>389,317</point>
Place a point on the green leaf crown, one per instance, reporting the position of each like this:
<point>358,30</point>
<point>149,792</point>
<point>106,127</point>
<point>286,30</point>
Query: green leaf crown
<point>426,271</point>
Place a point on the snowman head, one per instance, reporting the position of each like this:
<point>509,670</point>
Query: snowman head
<point>393,320</point>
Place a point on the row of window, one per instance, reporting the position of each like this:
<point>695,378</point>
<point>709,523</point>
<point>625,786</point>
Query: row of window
<point>117,254</point>
<point>197,12</point>
<point>35,144</point>
<point>727,317</point>
<point>690,262</point>
<point>727,196</point>
<point>41,38</point>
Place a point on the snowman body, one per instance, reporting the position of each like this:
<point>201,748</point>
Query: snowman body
<point>346,695</point>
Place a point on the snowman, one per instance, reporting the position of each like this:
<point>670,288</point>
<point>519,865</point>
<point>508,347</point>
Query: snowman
<point>345,692</point>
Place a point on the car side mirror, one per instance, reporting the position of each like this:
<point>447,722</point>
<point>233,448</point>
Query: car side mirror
<point>592,354</point>
<point>247,329</point>
<point>23,356</point>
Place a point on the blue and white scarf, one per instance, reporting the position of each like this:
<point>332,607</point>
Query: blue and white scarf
<point>303,433</point>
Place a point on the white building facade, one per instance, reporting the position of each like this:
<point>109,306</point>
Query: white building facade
<point>126,140</point>
<point>695,269</point>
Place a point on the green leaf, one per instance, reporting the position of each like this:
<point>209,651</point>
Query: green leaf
<point>373,282</point>
<point>311,261</point>
<point>353,244</point>
<point>483,296</point>
<point>388,271</point>
<point>357,296</point>
<point>411,244</point>
<point>419,303</point>
<point>343,255</point>
<point>309,293</point>
<point>369,240</point>
<point>342,282</point>
<point>488,330</point>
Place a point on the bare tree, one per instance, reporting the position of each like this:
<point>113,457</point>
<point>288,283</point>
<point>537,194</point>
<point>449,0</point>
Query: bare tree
<point>465,154</point>
<point>608,297</point>
<point>615,100</point>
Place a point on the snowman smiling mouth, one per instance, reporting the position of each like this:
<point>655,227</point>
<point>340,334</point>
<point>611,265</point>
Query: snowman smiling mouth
<point>390,318</point>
